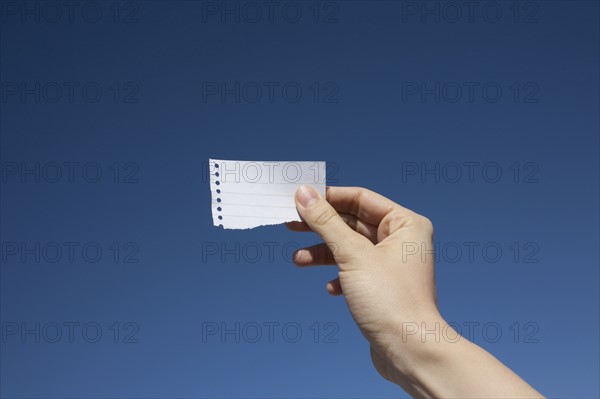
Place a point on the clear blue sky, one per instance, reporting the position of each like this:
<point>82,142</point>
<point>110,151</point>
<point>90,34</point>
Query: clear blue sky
<point>486,122</point>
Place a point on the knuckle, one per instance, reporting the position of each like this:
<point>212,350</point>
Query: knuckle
<point>324,216</point>
<point>398,217</point>
<point>362,192</point>
<point>426,224</point>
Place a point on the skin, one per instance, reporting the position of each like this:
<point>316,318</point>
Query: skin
<point>386,275</point>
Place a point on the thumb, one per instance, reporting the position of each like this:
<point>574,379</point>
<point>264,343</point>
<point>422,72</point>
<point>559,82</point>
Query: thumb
<point>320,216</point>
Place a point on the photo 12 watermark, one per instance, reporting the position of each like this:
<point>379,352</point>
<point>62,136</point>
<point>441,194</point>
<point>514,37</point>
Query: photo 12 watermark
<point>270,92</point>
<point>69,172</point>
<point>69,12</point>
<point>470,12</point>
<point>69,92</point>
<point>470,171</point>
<point>69,252</point>
<point>70,332</point>
<point>270,332</point>
<point>471,252</point>
<point>270,12</point>
<point>474,331</point>
<point>252,172</point>
<point>470,92</point>
<point>266,172</point>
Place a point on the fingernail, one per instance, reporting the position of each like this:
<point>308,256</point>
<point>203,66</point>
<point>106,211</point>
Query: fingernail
<point>306,196</point>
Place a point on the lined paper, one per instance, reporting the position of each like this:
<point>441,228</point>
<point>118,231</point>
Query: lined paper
<point>248,194</point>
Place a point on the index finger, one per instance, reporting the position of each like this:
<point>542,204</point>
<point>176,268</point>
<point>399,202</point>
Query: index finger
<point>363,203</point>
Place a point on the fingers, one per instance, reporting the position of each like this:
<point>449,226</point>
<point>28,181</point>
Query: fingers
<point>359,202</point>
<point>371,208</point>
<point>368,213</point>
<point>319,254</point>
<point>365,204</point>
<point>360,226</point>
<point>334,287</point>
<point>320,216</point>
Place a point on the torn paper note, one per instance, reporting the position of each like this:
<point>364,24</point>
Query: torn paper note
<point>247,194</point>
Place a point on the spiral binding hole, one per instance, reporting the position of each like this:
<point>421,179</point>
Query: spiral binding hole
<point>218,183</point>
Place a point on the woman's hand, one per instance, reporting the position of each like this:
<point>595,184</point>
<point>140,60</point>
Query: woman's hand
<point>384,253</point>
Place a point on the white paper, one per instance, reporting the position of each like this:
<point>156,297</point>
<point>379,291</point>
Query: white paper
<point>247,194</point>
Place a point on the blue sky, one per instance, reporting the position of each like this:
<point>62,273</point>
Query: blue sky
<point>484,121</point>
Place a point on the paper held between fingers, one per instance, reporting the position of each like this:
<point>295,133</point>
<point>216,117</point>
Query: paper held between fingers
<point>248,194</point>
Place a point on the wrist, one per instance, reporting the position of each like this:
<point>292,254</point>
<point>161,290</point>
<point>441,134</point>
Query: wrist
<point>419,345</point>
<point>431,359</point>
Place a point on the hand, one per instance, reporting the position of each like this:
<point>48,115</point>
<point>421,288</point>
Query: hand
<point>384,253</point>
<point>383,287</point>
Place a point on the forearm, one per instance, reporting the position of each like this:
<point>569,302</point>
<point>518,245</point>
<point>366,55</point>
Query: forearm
<point>432,360</point>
